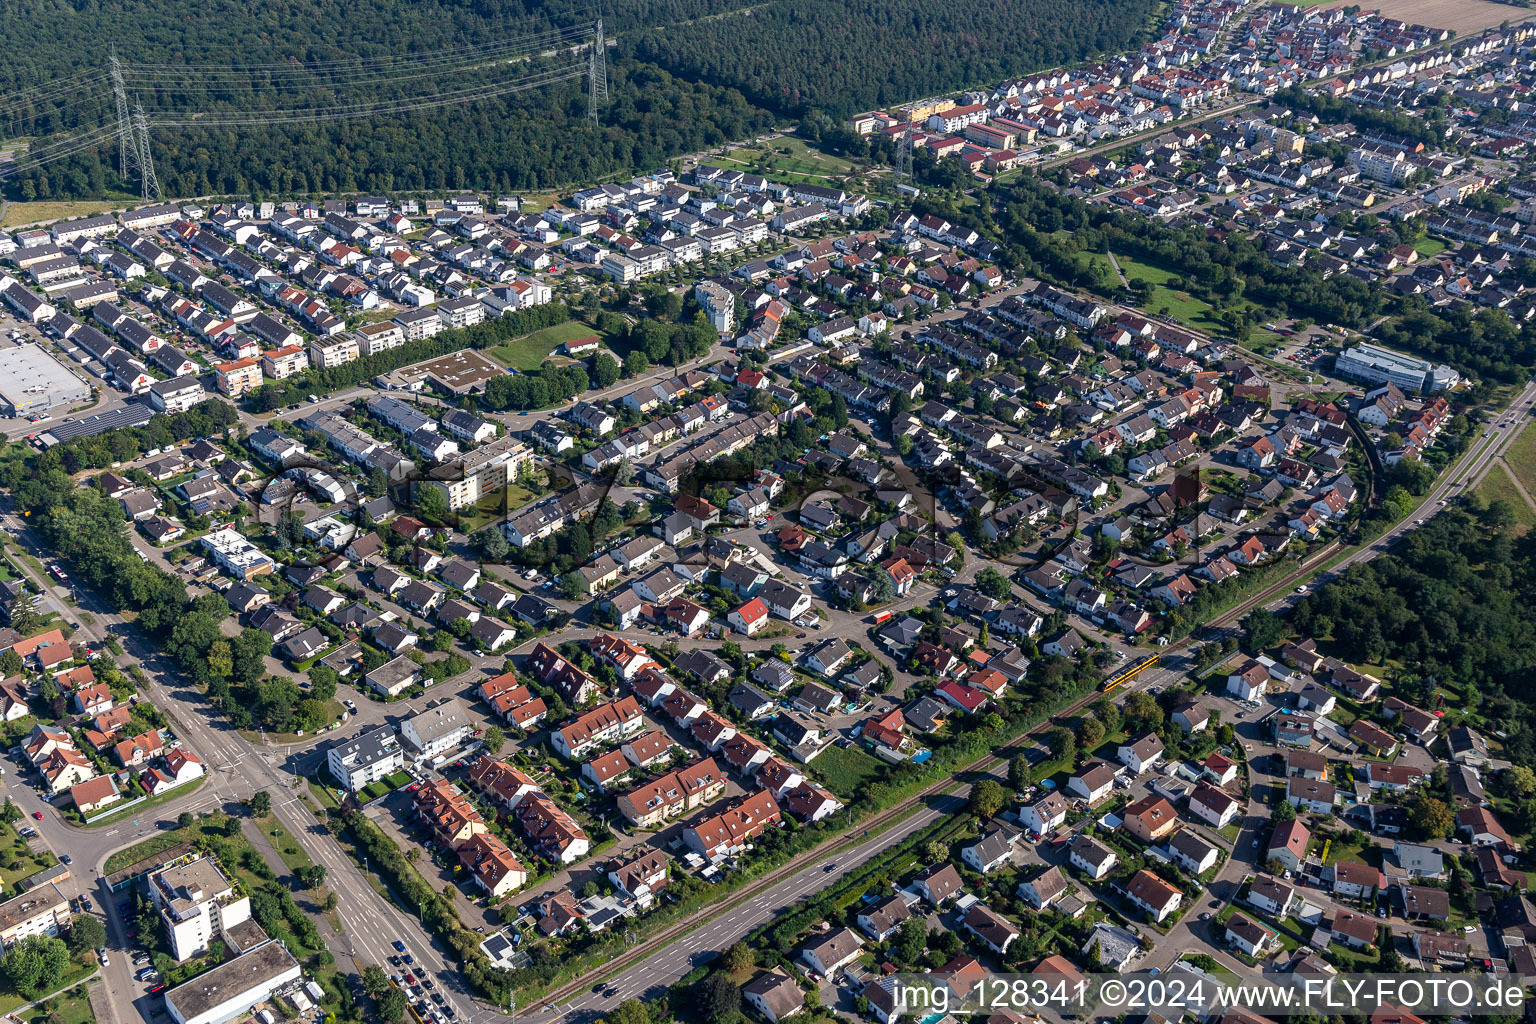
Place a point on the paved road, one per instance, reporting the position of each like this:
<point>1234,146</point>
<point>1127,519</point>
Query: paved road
<point>1474,465</point>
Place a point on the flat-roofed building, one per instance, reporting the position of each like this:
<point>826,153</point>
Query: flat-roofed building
<point>234,987</point>
<point>196,902</point>
<point>39,911</point>
<point>32,381</point>
<point>367,757</point>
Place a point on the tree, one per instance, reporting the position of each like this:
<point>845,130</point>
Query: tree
<point>11,664</point>
<point>430,503</point>
<point>1142,708</point>
<point>630,1011</point>
<point>715,997</point>
<point>1431,818</point>
<point>1018,773</point>
<point>935,851</point>
<point>739,957</point>
<point>261,803</point>
<point>1284,811</point>
<point>10,812</point>
<point>392,1006</point>
<point>494,738</point>
<point>375,981</point>
<point>1264,628</point>
<point>1108,712</point>
<point>988,798</point>
<point>993,583</point>
<point>185,819</point>
<point>1519,781</point>
<point>86,933</point>
<point>1090,732</point>
<point>35,964</point>
<point>605,370</point>
<point>574,586</point>
<point>322,682</point>
<point>636,363</point>
<point>312,875</point>
<point>911,939</point>
<point>1061,743</point>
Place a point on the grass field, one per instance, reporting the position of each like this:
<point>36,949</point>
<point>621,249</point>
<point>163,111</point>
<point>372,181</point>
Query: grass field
<point>33,213</point>
<point>845,769</point>
<point>1427,247</point>
<point>1521,457</point>
<point>1497,486</point>
<point>801,159</point>
<point>1180,305</point>
<point>529,352</point>
<point>494,507</point>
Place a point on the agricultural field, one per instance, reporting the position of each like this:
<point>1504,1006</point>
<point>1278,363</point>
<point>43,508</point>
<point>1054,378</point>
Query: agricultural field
<point>1461,16</point>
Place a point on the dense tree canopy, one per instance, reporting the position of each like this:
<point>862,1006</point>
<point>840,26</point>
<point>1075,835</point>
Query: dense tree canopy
<point>1455,605</point>
<point>676,82</point>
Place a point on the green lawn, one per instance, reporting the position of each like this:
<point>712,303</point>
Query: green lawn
<point>291,852</point>
<point>14,850</point>
<point>529,352</point>
<point>1180,304</point>
<point>1497,486</point>
<point>1427,247</point>
<point>845,769</point>
<point>494,507</point>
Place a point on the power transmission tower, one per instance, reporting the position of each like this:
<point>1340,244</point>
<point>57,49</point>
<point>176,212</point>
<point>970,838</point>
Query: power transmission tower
<point>149,186</point>
<point>127,152</point>
<point>904,155</point>
<point>597,73</point>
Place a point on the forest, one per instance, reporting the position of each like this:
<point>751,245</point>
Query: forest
<point>1451,610</point>
<point>684,75</point>
<point>844,56</point>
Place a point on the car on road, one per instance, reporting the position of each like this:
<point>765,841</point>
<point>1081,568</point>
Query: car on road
<point>409,959</point>
<point>1301,589</point>
<point>85,901</point>
<point>38,814</point>
<point>66,858</point>
<point>399,946</point>
<point>106,961</point>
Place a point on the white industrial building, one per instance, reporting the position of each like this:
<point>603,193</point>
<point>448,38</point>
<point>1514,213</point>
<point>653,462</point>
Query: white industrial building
<point>32,381</point>
<point>1377,364</point>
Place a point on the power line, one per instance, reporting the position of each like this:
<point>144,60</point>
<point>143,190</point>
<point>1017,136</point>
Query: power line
<point>132,130</point>
<point>301,77</point>
<point>343,112</point>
